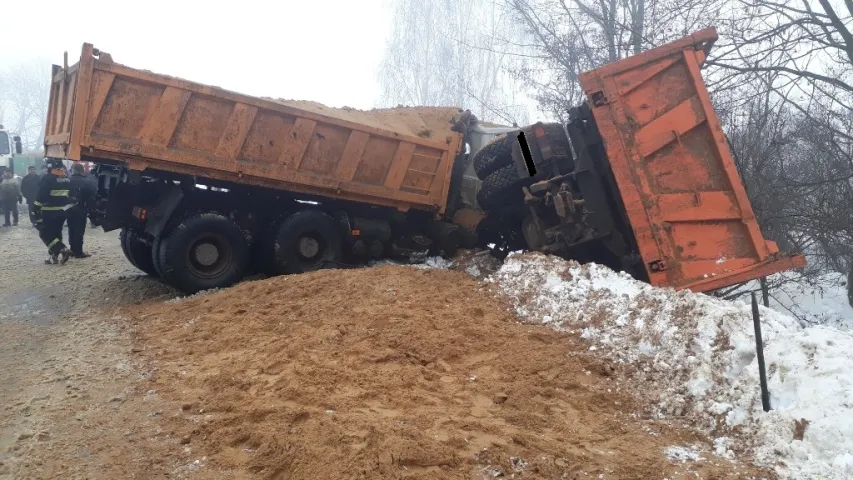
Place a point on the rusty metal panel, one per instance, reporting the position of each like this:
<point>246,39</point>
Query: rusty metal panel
<point>685,202</point>
<point>103,110</point>
<point>62,106</point>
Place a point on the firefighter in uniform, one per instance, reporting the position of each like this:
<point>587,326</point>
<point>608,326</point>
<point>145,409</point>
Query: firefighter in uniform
<point>51,203</point>
<point>83,191</point>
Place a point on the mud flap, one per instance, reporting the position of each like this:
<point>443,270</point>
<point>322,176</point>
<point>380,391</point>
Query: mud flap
<point>159,216</point>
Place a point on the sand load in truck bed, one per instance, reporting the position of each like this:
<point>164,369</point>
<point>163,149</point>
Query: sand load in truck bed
<point>114,114</point>
<point>424,122</point>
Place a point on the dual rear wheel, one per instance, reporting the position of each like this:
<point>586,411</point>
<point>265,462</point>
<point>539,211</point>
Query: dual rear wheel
<point>137,251</point>
<point>208,250</point>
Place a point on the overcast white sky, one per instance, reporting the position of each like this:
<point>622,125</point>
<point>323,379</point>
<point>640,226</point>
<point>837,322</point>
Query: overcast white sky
<point>322,50</point>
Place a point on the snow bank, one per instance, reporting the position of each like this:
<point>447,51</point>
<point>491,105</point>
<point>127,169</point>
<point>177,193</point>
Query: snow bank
<point>694,358</point>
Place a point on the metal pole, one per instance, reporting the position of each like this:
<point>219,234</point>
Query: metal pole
<point>765,292</point>
<point>759,349</point>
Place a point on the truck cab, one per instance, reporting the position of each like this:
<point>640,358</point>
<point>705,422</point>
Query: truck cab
<point>10,145</point>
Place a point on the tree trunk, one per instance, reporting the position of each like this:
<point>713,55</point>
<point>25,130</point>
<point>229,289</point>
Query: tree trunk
<point>850,283</point>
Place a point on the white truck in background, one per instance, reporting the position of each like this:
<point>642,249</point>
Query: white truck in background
<point>10,145</point>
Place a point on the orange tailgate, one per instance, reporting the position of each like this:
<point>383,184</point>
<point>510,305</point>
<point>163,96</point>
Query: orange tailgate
<point>684,198</point>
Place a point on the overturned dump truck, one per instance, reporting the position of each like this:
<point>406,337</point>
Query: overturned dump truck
<point>208,186</point>
<point>641,179</point>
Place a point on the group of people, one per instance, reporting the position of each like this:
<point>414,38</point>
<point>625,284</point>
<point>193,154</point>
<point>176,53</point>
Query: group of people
<point>53,199</point>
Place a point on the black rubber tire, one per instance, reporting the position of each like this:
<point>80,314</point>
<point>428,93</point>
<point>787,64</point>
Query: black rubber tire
<point>123,241</point>
<point>322,228</point>
<point>175,260</point>
<point>502,187</point>
<point>156,255</point>
<point>141,254</point>
<point>263,250</point>
<point>496,154</point>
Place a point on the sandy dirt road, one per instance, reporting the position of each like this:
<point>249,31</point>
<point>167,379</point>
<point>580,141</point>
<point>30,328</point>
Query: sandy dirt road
<point>66,361</point>
<point>392,372</point>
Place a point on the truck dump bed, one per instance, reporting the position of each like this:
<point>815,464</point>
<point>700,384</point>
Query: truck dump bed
<point>106,111</point>
<point>684,199</point>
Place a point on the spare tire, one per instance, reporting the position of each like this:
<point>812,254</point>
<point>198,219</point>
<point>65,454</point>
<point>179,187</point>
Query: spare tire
<point>202,252</point>
<point>502,187</point>
<point>496,154</point>
<point>308,240</point>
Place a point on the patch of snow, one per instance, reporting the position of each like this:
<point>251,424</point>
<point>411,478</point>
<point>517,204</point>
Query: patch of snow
<point>823,302</point>
<point>690,453</point>
<point>694,357</point>
<point>721,448</point>
<point>379,263</point>
<point>435,262</point>
<point>195,295</point>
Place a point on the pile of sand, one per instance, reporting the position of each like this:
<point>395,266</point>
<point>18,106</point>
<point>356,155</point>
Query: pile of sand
<point>390,372</point>
<point>425,122</point>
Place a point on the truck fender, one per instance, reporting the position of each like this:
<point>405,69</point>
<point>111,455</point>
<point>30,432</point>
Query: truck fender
<point>161,214</point>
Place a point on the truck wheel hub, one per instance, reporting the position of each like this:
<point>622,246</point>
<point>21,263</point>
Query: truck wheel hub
<point>206,254</point>
<point>309,247</point>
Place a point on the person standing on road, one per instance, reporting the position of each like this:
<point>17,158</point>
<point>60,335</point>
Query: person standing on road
<point>83,192</point>
<point>10,196</point>
<point>52,200</point>
<point>29,189</point>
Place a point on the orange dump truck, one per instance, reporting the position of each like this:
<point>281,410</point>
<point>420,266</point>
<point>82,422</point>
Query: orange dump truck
<point>208,185</point>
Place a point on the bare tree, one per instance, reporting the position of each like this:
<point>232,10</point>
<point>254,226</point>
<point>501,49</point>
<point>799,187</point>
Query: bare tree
<point>807,46</point>
<point>4,98</point>
<point>24,91</point>
<point>573,36</point>
<point>450,53</point>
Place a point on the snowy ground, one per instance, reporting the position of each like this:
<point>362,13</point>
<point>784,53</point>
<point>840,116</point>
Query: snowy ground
<point>697,355</point>
<point>823,302</point>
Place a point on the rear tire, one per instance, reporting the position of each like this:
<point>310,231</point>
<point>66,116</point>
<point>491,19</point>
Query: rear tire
<point>123,241</point>
<point>496,154</point>
<point>203,252</point>
<point>156,255</point>
<point>307,241</point>
<point>263,251</point>
<point>140,252</point>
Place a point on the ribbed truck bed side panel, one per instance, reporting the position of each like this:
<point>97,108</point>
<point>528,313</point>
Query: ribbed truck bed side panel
<point>679,184</point>
<point>100,109</point>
